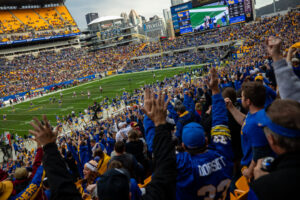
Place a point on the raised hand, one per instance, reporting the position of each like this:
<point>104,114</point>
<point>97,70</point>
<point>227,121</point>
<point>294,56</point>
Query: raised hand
<point>291,52</point>
<point>213,83</point>
<point>43,133</point>
<point>228,103</point>
<point>273,47</point>
<point>155,108</point>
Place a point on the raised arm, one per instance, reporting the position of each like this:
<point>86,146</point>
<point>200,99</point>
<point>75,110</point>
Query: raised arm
<point>237,115</point>
<point>163,184</point>
<point>149,132</point>
<point>220,133</point>
<point>287,81</point>
<point>37,160</point>
<point>60,180</point>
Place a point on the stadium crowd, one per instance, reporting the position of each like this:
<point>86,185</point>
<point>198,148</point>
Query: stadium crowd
<point>180,58</point>
<point>212,132</point>
<point>37,34</point>
<point>27,73</point>
<point>117,58</point>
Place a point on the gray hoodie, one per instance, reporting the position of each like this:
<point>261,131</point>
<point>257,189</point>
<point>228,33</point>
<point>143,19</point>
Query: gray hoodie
<point>287,81</point>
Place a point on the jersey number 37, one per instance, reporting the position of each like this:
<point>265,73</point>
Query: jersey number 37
<point>209,192</point>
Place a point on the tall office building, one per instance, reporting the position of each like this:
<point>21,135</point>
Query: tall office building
<point>125,16</point>
<point>167,15</point>
<point>170,29</point>
<point>176,2</point>
<point>155,27</point>
<point>90,17</point>
<point>142,18</point>
<point>135,19</point>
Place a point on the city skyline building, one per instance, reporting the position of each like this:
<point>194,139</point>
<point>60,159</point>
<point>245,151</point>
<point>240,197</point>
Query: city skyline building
<point>91,16</point>
<point>167,15</point>
<point>176,2</point>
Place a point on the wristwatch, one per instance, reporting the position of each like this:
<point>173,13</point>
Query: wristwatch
<point>267,163</point>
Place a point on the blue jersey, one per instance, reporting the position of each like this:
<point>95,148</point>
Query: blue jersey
<point>208,175</point>
<point>270,95</point>
<point>252,136</point>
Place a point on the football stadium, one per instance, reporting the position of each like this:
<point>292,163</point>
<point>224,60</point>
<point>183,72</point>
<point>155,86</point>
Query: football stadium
<point>201,101</point>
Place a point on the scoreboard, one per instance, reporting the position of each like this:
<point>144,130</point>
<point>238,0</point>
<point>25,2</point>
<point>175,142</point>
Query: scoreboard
<point>236,11</point>
<point>184,22</point>
<point>192,16</point>
<point>181,18</point>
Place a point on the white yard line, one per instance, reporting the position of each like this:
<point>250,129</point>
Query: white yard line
<point>68,108</point>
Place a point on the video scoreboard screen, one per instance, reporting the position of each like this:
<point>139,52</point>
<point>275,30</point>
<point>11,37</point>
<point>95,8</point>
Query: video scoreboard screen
<point>236,11</point>
<point>198,15</point>
<point>181,18</point>
<point>184,22</point>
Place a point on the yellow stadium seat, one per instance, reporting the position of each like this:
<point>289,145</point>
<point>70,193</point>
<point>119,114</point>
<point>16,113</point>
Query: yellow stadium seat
<point>241,193</point>
<point>15,21</point>
<point>31,19</point>
<point>63,11</point>
<point>51,16</point>
<point>8,23</point>
<point>146,182</point>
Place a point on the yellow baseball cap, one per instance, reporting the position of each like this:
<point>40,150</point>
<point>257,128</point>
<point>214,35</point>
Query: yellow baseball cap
<point>259,77</point>
<point>296,45</point>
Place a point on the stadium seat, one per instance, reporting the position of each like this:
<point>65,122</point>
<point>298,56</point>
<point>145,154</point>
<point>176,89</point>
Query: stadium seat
<point>51,16</point>
<point>31,19</point>
<point>146,182</point>
<point>63,11</point>
<point>242,190</point>
<point>8,23</point>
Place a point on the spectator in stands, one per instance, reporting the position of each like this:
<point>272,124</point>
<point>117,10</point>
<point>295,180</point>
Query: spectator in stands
<point>279,179</point>
<point>288,82</point>
<point>128,160</point>
<point>196,176</point>
<point>90,177</point>
<point>163,180</point>
<point>135,147</point>
<point>254,142</point>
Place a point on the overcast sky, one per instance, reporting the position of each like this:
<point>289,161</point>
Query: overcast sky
<point>147,8</point>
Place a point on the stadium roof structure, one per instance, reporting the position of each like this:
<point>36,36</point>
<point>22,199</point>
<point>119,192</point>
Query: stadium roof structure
<point>105,19</point>
<point>28,2</point>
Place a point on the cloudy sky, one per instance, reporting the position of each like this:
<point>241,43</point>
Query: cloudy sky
<point>147,8</point>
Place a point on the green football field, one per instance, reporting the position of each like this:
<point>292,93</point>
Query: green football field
<point>18,121</point>
<point>197,15</point>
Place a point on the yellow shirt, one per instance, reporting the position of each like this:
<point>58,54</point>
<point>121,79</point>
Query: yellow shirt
<point>102,164</point>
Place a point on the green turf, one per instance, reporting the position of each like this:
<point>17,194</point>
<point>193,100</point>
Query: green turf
<point>18,121</point>
<point>197,18</point>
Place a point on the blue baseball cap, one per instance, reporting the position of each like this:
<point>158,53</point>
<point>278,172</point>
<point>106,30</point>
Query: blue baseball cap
<point>193,136</point>
<point>97,158</point>
<point>264,121</point>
